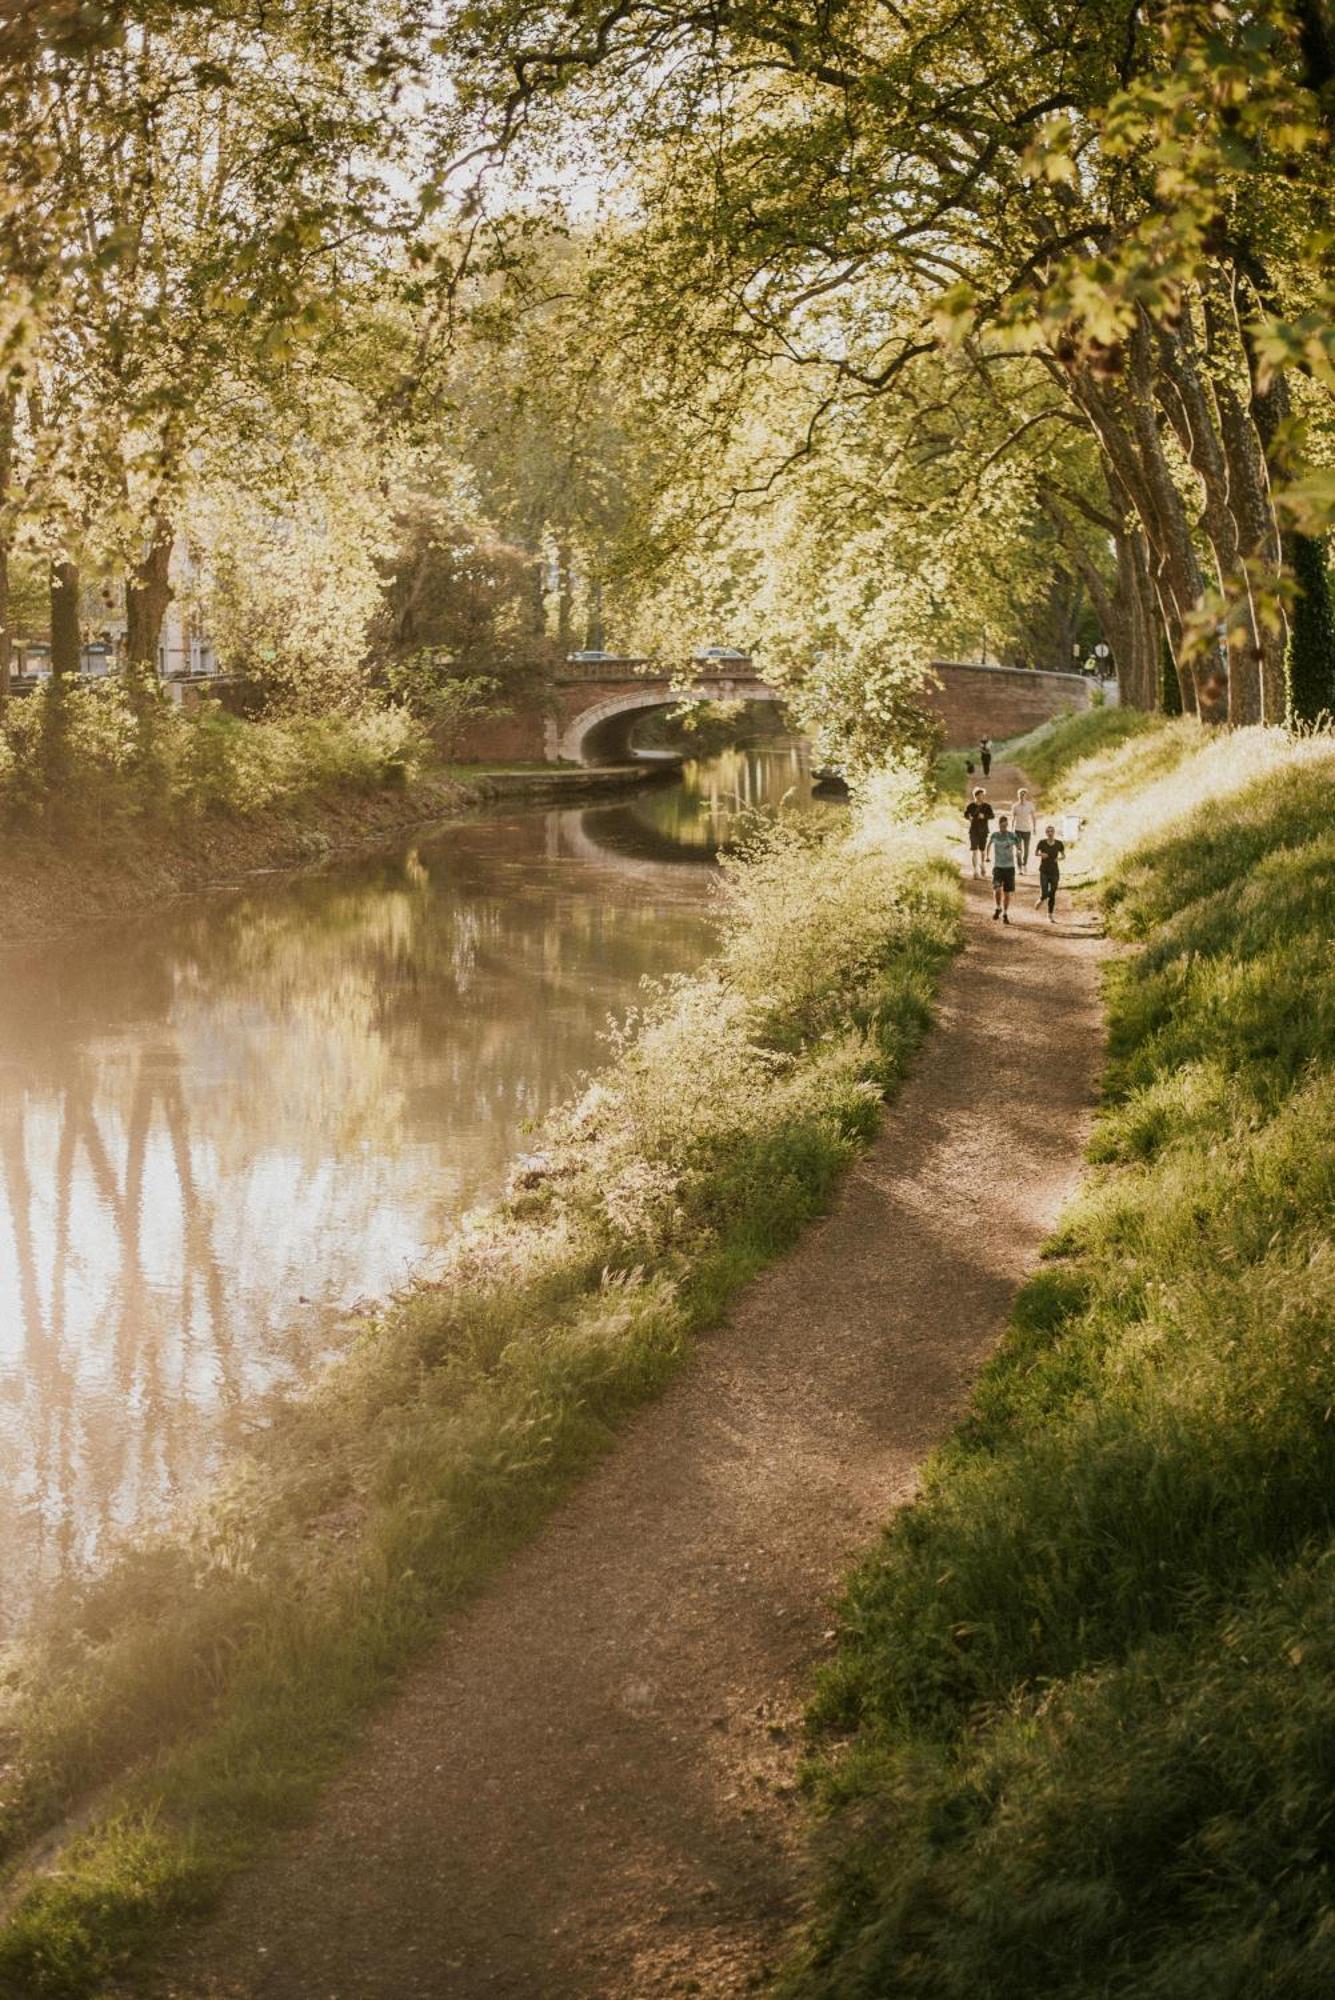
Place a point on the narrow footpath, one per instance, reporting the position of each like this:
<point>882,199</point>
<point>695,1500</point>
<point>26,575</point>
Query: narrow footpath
<point>586,1791</point>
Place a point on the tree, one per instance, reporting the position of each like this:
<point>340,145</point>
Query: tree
<point>208,181</point>
<point>1311,662</point>
<point>850,189</point>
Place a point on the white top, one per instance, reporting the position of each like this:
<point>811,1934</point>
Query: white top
<point>1024,816</point>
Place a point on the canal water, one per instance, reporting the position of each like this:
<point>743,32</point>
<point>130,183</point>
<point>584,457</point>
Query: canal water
<point>223,1126</point>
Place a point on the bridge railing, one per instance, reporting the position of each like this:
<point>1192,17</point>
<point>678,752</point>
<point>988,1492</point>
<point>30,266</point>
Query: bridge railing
<point>607,667</point>
<point>610,667</point>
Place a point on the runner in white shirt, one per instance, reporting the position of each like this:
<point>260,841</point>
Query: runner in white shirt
<point>1024,820</point>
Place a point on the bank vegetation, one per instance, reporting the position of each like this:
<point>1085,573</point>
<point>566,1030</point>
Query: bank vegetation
<point>1078,1736</point>
<point>203,1687</point>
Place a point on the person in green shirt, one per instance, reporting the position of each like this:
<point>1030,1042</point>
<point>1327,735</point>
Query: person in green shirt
<point>1004,848</point>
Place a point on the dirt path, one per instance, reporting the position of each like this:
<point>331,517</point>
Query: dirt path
<point>586,1790</point>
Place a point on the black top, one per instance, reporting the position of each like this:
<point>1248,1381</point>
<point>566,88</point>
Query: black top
<point>978,809</point>
<point>1049,853</point>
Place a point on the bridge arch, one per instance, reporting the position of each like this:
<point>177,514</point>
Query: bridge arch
<point>600,733</point>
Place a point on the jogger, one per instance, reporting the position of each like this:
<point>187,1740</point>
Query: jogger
<point>1024,819</point>
<point>1002,847</point>
<point>978,812</point>
<point>1050,852</point>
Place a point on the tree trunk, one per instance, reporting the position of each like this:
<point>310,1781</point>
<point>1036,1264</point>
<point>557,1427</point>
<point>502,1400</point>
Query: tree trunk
<point>64,620</point>
<point>565,599</point>
<point>1309,656</point>
<point>64,592</point>
<point>1170,686</point>
<point>594,640</point>
<point>1311,660</point>
<point>1123,423</point>
<point>1194,406</point>
<point>1245,449</point>
<point>1142,684</point>
<point>7,401</point>
<point>148,592</point>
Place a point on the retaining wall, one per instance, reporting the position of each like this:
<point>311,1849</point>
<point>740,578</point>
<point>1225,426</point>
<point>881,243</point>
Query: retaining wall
<point>975,701</point>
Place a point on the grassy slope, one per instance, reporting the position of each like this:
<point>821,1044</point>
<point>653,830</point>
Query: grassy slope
<point>1080,1736</point>
<point>213,1680</point>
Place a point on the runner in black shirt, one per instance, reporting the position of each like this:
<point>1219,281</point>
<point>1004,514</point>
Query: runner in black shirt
<point>978,812</point>
<point>1051,852</point>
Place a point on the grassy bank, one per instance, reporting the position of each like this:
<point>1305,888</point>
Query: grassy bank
<point>112,818</point>
<point>88,761</point>
<point>1079,1739</point>
<point>210,1681</point>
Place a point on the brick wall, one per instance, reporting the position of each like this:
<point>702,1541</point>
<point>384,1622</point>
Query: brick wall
<point>977,701</point>
<point>528,733</point>
<point>519,738</point>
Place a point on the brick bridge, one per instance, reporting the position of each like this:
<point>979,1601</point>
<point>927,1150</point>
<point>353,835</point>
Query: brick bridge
<point>596,699</point>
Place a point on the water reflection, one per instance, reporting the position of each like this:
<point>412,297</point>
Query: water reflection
<point>702,813</point>
<point>221,1127</point>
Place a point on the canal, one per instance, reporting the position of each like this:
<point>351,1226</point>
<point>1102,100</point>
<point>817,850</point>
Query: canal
<point>224,1127</point>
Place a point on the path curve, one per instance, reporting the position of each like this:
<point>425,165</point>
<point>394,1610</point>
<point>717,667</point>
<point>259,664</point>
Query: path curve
<point>586,1790</point>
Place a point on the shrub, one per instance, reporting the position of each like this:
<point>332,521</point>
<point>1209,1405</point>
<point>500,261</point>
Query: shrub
<point>84,755</point>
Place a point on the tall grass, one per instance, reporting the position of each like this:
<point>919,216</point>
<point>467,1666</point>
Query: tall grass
<point>212,1679</point>
<point>1079,1739</point>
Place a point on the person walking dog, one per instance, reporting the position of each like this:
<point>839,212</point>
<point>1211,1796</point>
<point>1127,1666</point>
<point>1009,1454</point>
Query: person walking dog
<point>1051,852</point>
<point>1003,847</point>
<point>978,812</point>
<point>985,754</point>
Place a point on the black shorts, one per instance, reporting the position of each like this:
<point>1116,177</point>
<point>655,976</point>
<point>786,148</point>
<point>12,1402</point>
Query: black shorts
<point>1004,878</point>
<point>978,841</point>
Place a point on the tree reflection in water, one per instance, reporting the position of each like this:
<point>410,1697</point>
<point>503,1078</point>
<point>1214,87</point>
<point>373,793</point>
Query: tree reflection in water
<point>221,1127</point>
<point>696,817</point>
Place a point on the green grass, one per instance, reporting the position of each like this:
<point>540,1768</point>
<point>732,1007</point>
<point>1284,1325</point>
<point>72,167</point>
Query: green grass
<point>1047,753</point>
<point>211,1681</point>
<point>1079,1738</point>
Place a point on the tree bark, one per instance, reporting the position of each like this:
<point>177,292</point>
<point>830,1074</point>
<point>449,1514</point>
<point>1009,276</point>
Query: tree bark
<point>1128,611</point>
<point>1193,405</point>
<point>1123,423</point>
<point>565,599</point>
<point>7,402</point>
<point>594,627</point>
<point>148,593</point>
<point>1246,443</point>
<point>64,620</point>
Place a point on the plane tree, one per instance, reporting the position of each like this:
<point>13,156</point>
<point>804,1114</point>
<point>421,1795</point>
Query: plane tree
<point>1129,196</point>
<point>202,189</point>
